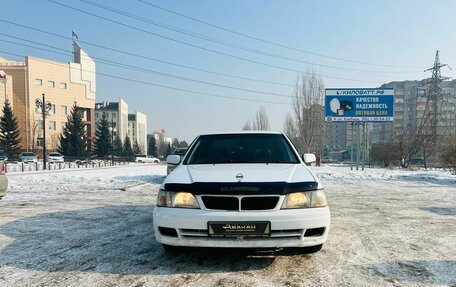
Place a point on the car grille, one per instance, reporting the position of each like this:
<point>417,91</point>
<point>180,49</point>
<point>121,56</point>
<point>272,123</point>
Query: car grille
<point>247,203</point>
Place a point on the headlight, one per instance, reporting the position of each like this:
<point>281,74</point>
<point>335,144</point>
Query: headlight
<point>176,199</point>
<point>307,199</point>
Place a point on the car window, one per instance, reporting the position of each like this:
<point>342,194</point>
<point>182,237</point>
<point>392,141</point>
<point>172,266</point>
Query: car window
<point>242,148</point>
<point>55,154</point>
<point>28,154</point>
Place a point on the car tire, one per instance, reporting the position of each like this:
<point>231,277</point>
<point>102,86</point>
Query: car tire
<point>140,161</point>
<point>155,161</point>
<point>170,248</point>
<point>312,249</point>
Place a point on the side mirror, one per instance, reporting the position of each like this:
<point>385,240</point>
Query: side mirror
<point>173,159</point>
<point>309,158</point>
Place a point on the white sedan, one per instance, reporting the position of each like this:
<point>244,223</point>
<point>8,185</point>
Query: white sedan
<point>244,190</point>
<point>55,157</point>
<point>142,158</point>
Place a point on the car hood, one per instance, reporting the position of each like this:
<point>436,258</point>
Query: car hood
<point>226,173</point>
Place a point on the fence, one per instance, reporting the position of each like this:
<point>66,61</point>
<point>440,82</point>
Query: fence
<point>36,166</point>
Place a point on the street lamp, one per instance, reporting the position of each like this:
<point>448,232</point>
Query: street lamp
<point>45,108</point>
<point>112,130</point>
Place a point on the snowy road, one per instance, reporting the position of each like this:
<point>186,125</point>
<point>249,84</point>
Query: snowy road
<point>94,228</point>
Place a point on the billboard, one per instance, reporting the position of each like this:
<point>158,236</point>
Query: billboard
<point>359,105</point>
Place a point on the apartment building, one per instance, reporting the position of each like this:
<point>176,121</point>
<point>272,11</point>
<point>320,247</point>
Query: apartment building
<point>63,84</point>
<point>137,130</point>
<point>117,115</point>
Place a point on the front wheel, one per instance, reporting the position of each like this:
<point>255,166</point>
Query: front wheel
<point>312,249</point>
<point>156,161</point>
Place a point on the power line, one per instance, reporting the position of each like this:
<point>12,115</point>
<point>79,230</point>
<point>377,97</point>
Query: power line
<point>199,47</point>
<point>137,68</point>
<point>150,58</point>
<point>232,45</point>
<point>270,42</point>
<point>156,85</point>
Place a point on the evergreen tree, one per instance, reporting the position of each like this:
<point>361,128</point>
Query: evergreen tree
<point>183,144</point>
<point>127,150</point>
<point>152,147</point>
<point>9,132</point>
<point>136,148</point>
<point>102,141</point>
<point>72,138</point>
<point>118,147</point>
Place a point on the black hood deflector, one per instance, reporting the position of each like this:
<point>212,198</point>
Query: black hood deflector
<point>242,188</point>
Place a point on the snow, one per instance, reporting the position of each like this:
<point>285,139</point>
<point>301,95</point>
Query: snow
<point>93,227</point>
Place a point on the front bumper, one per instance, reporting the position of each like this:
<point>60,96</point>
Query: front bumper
<point>288,227</point>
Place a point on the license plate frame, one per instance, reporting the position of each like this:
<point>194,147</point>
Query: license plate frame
<point>237,229</point>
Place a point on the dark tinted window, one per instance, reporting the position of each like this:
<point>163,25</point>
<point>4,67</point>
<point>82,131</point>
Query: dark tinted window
<point>55,154</point>
<point>241,148</point>
<point>28,154</point>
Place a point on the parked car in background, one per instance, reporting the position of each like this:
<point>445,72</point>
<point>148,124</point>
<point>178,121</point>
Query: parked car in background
<point>180,152</point>
<point>3,156</point>
<point>54,157</point>
<point>326,159</point>
<point>142,158</point>
<point>242,190</point>
<point>3,181</point>
<point>28,157</point>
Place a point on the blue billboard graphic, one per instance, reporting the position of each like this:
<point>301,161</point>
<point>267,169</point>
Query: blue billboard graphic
<point>359,105</point>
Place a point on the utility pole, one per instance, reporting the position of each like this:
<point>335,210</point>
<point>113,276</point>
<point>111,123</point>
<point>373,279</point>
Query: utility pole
<point>45,108</point>
<point>434,99</point>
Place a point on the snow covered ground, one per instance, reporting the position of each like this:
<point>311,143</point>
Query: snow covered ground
<point>93,227</point>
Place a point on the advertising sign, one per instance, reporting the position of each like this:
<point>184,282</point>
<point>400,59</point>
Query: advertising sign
<point>359,105</point>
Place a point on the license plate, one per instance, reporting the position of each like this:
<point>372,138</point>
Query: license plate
<point>237,229</point>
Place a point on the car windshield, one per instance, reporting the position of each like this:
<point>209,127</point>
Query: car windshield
<point>241,148</point>
<point>2,153</point>
<point>141,155</point>
<point>28,154</point>
<point>55,154</point>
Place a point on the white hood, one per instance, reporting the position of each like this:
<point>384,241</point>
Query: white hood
<point>250,172</point>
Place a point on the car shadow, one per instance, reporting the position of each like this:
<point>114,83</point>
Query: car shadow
<point>438,272</point>
<point>115,239</point>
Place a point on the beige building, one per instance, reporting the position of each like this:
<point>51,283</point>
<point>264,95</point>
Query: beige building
<point>6,88</point>
<point>64,84</point>
<point>137,130</point>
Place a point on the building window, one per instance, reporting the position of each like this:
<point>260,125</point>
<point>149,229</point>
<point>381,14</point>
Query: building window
<point>39,142</point>
<point>52,110</point>
<point>38,82</point>
<point>114,124</point>
<point>64,110</point>
<point>63,86</point>
<point>39,124</point>
<point>114,115</point>
<point>63,125</point>
<point>52,125</point>
<point>96,115</point>
<point>51,84</point>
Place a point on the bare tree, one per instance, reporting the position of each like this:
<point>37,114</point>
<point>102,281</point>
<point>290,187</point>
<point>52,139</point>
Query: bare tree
<point>448,152</point>
<point>247,126</point>
<point>261,120</point>
<point>308,112</point>
<point>289,128</point>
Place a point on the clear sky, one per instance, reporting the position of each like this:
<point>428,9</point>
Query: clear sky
<point>397,38</point>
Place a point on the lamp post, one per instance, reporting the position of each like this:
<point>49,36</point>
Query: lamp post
<point>43,107</point>
<point>112,130</point>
